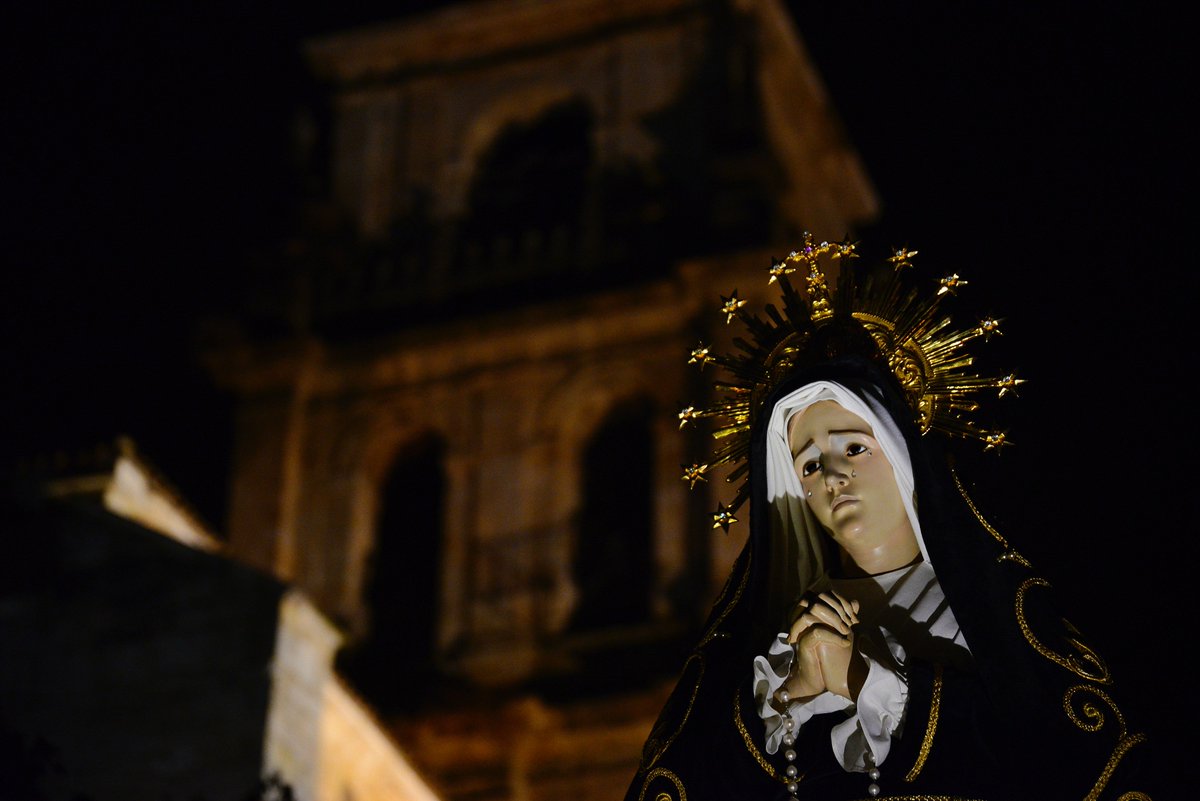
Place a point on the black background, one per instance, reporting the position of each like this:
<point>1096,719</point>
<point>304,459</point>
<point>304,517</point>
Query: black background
<point>1037,149</point>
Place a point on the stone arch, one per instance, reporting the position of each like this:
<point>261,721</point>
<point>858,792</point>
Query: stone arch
<point>399,523</point>
<point>577,413</point>
<point>575,408</point>
<point>527,193</point>
<point>613,558</point>
<point>521,107</point>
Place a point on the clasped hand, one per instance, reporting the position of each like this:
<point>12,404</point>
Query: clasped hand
<point>826,659</point>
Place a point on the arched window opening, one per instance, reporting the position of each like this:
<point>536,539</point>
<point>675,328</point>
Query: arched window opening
<point>613,565</point>
<point>401,589</point>
<point>527,198</point>
<point>536,170</point>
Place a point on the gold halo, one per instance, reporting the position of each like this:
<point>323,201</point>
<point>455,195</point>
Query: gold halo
<point>881,317</point>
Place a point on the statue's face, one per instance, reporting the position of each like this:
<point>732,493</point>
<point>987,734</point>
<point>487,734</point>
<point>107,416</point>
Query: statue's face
<point>849,484</point>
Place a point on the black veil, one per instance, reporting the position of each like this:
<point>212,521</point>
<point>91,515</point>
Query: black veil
<point>1036,712</point>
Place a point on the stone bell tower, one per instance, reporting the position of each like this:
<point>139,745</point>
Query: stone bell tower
<point>459,380</point>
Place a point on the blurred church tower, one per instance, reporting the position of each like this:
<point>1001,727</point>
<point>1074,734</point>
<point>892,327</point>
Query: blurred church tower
<point>458,381</point>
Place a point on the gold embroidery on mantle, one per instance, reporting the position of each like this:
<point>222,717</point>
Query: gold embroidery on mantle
<point>1117,755</point>
<point>1095,718</point>
<point>656,747</point>
<point>1091,718</point>
<point>935,705</point>
<point>671,777</point>
<point>1009,554</point>
<point>754,752</point>
<point>1087,664</point>
<point>712,632</point>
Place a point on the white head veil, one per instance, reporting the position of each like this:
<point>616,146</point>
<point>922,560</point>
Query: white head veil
<point>793,520</point>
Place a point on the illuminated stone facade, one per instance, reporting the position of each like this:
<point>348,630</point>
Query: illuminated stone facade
<point>539,205</point>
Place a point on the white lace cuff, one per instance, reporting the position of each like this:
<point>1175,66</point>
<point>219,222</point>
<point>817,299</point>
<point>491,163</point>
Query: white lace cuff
<point>770,672</point>
<point>878,714</point>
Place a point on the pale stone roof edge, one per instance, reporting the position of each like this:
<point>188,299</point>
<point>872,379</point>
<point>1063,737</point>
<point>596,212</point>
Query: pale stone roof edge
<point>161,507</point>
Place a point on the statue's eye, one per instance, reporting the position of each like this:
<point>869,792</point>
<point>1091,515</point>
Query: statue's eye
<point>809,468</point>
<point>855,448</point>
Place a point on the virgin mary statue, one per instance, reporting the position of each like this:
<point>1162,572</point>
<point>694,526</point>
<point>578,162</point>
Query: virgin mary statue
<point>877,636</point>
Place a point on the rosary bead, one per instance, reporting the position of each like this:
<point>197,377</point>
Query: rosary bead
<point>791,771</point>
<point>789,755</point>
<point>873,789</point>
<point>873,773</point>
<point>789,739</point>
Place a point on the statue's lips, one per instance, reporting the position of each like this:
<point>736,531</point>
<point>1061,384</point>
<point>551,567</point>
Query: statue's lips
<point>841,501</point>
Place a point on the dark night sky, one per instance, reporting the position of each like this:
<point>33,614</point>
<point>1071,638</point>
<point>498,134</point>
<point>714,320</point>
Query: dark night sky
<point>1038,149</point>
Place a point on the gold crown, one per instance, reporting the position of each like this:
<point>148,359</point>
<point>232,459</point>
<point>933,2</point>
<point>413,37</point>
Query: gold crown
<point>879,318</point>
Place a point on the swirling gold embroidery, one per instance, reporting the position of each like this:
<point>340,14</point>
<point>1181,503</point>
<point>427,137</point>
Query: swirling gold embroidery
<point>1117,755</point>
<point>754,752</point>
<point>653,746</point>
<point>1095,718</point>
<point>1087,664</point>
<point>935,705</point>
<point>666,774</point>
<point>1009,554</point>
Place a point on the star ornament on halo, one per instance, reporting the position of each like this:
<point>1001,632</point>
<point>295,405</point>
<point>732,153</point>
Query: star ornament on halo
<point>730,306</point>
<point>950,284</point>
<point>847,250</point>
<point>995,441</point>
<point>778,269</point>
<point>902,258</point>
<point>723,518</point>
<point>700,355</point>
<point>687,415</point>
<point>694,473</point>
<point>1009,384</point>
<point>989,327</point>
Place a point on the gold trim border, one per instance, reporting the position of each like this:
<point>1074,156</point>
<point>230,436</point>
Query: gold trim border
<point>712,632</point>
<point>1009,554</point>
<point>1110,767</point>
<point>662,749</point>
<point>1071,663</point>
<point>654,774</point>
<point>750,746</point>
<point>935,706</point>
